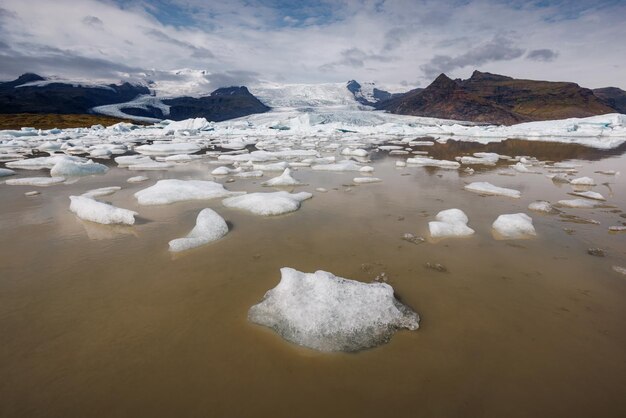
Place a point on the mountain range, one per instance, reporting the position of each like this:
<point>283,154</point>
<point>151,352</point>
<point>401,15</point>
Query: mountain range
<point>482,98</point>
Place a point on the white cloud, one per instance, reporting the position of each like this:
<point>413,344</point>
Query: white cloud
<point>384,41</point>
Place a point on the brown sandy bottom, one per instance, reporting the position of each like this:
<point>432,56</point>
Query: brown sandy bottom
<point>101,321</point>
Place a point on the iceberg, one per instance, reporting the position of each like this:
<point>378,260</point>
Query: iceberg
<point>513,226</point>
<point>209,227</point>
<point>485,188</point>
<point>583,181</point>
<point>328,313</point>
<point>366,180</point>
<point>89,209</point>
<point>69,168</point>
<point>169,191</point>
<point>268,204</point>
<point>169,149</point>
<point>431,162</point>
<point>35,181</point>
<point>345,165</point>
<point>450,223</point>
<point>137,179</point>
<point>284,179</point>
<point>103,191</point>
<point>4,172</point>
<point>589,195</point>
<point>579,203</point>
<point>40,163</point>
<point>541,206</point>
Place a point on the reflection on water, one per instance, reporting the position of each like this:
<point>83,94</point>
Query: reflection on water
<point>104,321</point>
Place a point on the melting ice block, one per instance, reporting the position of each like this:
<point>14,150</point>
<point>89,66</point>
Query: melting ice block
<point>431,162</point>
<point>40,163</point>
<point>209,227</point>
<point>35,181</point>
<point>541,206</point>
<point>450,223</point>
<point>366,180</point>
<point>329,313</point>
<point>345,165</point>
<point>89,209</point>
<point>284,179</point>
<point>513,226</point>
<point>583,181</point>
<point>170,191</point>
<point>69,168</point>
<point>169,149</point>
<point>102,191</point>
<point>6,172</point>
<point>483,187</point>
<point>268,204</point>
<point>579,203</point>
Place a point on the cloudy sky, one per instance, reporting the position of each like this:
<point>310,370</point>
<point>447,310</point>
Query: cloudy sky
<point>398,44</point>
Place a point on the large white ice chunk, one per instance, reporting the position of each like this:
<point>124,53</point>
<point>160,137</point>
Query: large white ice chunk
<point>513,226</point>
<point>169,149</point>
<point>6,172</point>
<point>583,181</point>
<point>329,313</point>
<point>431,162</point>
<point>35,181</point>
<point>541,206</point>
<point>268,204</point>
<point>485,188</point>
<point>284,179</point>
<point>69,168</point>
<point>579,203</point>
<point>89,209</point>
<point>169,191</point>
<point>450,223</point>
<point>345,165</point>
<point>42,162</point>
<point>209,227</point>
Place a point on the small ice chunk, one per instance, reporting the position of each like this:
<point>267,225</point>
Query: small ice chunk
<point>250,174</point>
<point>345,165</point>
<point>40,163</point>
<point>559,178</point>
<point>513,226</point>
<point>36,181</point>
<point>579,203</point>
<point>68,168</point>
<point>169,149</point>
<point>521,168</point>
<point>181,158</point>
<point>486,188</point>
<point>617,228</point>
<point>32,193</point>
<point>103,191</point>
<point>541,206</point>
<point>400,164</point>
<point>354,152</point>
<point>589,195</point>
<point>224,171</point>
<point>128,160</point>
<point>321,190</point>
<point>137,179</point>
<point>365,180</point>
<point>583,181</point>
<point>172,190</point>
<point>450,223</point>
<point>209,227</point>
<point>151,166</point>
<point>280,166</point>
<point>6,172</point>
<point>284,179</point>
<point>431,162</point>
<point>329,313</point>
<point>268,204</point>
<point>91,210</point>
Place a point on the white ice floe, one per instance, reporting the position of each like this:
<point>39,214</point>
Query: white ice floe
<point>250,174</point>
<point>485,188</point>
<point>268,204</point>
<point>170,191</point>
<point>150,166</point>
<point>514,226</point>
<point>181,158</point>
<point>558,178</point>
<point>617,228</point>
<point>40,163</point>
<point>366,180</point>
<point>35,181</point>
<point>521,168</point>
<point>358,152</point>
<point>224,171</point>
<point>169,149</point>
<point>280,166</point>
<point>284,179</point>
<point>69,168</point>
<point>329,313</point>
<point>431,162</point>
<point>128,160</point>
<point>4,172</point>
<point>89,209</point>
<point>345,165</point>
<point>137,179</point>
<point>450,223</point>
<point>589,195</point>
<point>583,181</point>
<point>103,191</point>
<point>579,203</point>
<point>209,227</point>
<point>541,206</point>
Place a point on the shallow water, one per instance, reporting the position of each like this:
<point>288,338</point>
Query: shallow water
<point>104,321</point>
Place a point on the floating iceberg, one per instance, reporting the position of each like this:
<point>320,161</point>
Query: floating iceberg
<point>485,188</point>
<point>513,226</point>
<point>329,313</point>
<point>345,165</point>
<point>209,227</point>
<point>35,181</point>
<point>4,172</point>
<point>541,206</point>
<point>583,181</point>
<point>450,223</point>
<point>169,149</point>
<point>137,179</point>
<point>579,203</point>
<point>589,195</point>
<point>366,180</point>
<point>91,210</point>
<point>170,191</point>
<point>69,168</point>
<point>284,179</point>
<point>267,204</point>
<point>431,162</point>
<point>40,163</point>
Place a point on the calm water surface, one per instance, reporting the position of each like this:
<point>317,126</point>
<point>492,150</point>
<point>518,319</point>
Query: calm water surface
<point>100,321</point>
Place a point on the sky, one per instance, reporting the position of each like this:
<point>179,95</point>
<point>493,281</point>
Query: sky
<point>398,44</point>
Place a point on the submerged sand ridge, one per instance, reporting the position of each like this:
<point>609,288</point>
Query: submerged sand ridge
<point>112,309</point>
